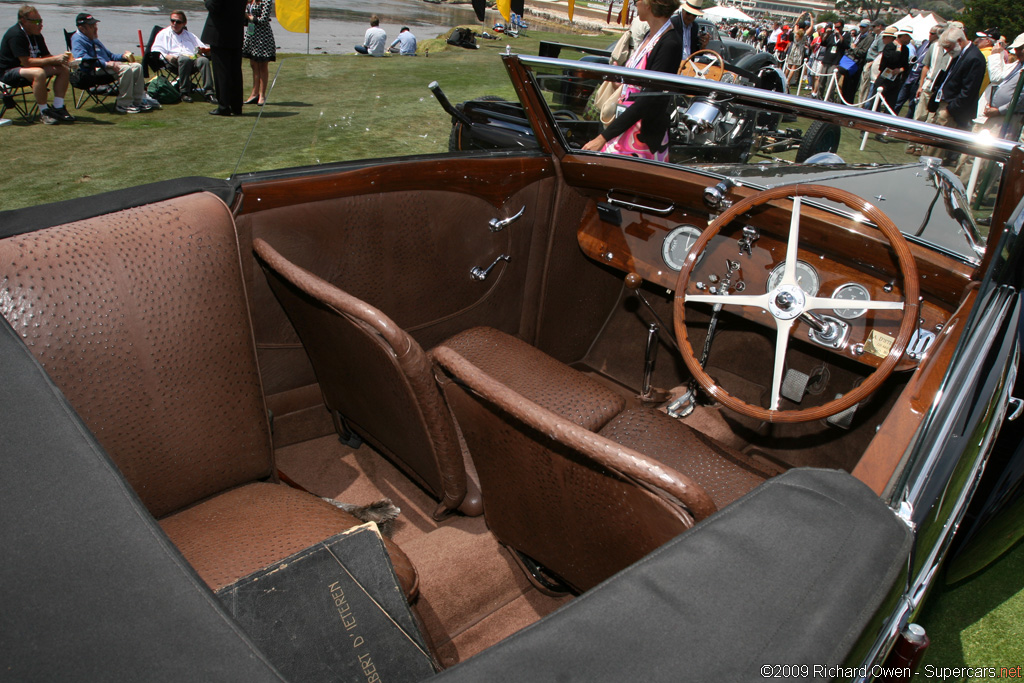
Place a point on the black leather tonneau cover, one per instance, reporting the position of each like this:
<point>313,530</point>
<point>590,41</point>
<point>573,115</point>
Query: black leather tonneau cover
<point>19,221</point>
<point>90,587</point>
<point>790,574</point>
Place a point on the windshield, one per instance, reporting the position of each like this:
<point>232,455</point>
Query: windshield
<point>322,111</point>
<point>762,138</point>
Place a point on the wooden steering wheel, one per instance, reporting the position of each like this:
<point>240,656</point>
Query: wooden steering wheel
<point>787,302</point>
<point>711,70</point>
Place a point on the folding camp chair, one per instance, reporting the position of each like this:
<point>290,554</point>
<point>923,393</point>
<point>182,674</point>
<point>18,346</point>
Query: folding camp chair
<point>90,82</point>
<point>17,96</point>
<point>155,62</point>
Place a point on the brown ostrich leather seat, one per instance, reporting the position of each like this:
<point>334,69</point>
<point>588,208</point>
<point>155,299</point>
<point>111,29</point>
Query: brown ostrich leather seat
<point>140,317</point>
<point>381,381</point>
<point>579,503</point>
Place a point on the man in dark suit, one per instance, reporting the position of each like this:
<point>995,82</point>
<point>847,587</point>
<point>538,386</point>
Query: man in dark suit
<point>958,94</point>
<point>223,32</point>
<point>685,22</point>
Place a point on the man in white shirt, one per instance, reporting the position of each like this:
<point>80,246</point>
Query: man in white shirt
<point>405,42</point>
<point>185,54</point>
<point>375,40</point>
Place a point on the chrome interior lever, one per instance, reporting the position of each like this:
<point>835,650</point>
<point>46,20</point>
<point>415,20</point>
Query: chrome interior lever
<point>478,273</point>
<point>499,225</point>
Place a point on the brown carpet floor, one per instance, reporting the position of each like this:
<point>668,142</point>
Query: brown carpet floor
<point>471,592</point>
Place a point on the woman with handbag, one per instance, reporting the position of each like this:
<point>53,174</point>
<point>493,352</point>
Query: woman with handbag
<point>640,127</point>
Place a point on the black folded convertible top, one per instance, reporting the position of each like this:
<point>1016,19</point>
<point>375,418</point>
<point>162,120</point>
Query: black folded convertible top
<point>790,574</point>
<point>91,587</point>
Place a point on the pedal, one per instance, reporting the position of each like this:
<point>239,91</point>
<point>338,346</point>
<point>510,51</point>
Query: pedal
<point>681,406</point>
<point>844,419</point>
<point>794,385</point>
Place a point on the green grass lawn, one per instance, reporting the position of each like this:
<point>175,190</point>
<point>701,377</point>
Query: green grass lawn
<point>329,108</point>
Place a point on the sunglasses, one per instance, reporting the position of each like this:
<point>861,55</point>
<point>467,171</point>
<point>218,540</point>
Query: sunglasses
<point>177,21</point>
<point>37,22</point>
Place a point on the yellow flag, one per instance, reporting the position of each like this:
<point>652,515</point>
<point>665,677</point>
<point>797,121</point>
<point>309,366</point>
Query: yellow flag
<point>293,15</point>
<point>505,8</point>
<point>572,5</point>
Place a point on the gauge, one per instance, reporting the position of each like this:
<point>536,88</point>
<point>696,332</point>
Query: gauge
<point>851,292</point>
<point>806,277</point>
<point>677,245</point>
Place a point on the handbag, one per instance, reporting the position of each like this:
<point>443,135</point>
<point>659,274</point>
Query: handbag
<point>603,102</point>
<point>849,65</point>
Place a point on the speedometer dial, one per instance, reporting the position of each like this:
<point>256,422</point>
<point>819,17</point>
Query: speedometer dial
<point>677,245</point>
<point>806,277</point>
<point>851,291</point>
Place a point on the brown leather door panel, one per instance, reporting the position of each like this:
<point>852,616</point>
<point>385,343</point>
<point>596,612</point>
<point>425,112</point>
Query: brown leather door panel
<point>402,236</point>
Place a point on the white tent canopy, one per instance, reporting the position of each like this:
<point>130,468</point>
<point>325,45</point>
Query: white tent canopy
<point>919,26</point>
<point>720,13</point>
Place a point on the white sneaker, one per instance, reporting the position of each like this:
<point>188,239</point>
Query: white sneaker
<point>47,117</point>
<point>130,109</point>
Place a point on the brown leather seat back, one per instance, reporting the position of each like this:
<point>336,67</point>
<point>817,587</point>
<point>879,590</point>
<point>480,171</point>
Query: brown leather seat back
<point>374,374</point>
<point>582,506</point>
<point>140,317</point>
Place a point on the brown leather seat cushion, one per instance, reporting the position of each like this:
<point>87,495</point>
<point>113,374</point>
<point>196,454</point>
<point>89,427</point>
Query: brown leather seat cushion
<point>725,474</point>
<point>246,529</point>
<point>537,376</point>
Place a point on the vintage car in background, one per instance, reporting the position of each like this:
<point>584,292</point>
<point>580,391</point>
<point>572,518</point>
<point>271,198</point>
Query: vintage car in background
<point>709,419</point>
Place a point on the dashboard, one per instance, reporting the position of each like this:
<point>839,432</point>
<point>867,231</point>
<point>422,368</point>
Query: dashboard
<point>747,257</point>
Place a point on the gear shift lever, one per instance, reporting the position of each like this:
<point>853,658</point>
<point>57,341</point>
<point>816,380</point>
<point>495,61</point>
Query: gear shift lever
<point>633,282</point>
<point>647,393</point>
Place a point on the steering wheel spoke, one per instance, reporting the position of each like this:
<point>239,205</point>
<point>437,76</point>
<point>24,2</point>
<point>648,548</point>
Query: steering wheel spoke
<point>815,303</point>
<point>781,344</point>
<point>760,301</point>
<point>787,303</point>
<point>792,245</point>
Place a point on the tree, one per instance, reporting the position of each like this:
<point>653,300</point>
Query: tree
<point>1004,14</point>
<point>871,8</point>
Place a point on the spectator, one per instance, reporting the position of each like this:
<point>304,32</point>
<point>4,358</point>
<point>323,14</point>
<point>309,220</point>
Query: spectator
<point>641,129</point>
<point>958,94</point>
<point>908,91</point>
<point>374,40</point>
<point>936,61</point>
<point>893,64</point>
<point>833,47</point>
<point>859,46</point>
<point>773,38</point>
<point>1001,93</point>
<point>867,79</point>
<point>185,54</point>
<point>795,57</point>
<point>685,23</point>
<point>223,33</point>
<point>23,54</point>
<point>405,43</point>
<point>260,48</point>
<point>131,86</point>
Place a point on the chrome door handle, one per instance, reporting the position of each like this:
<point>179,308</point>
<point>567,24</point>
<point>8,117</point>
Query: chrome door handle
<point>499,225</point>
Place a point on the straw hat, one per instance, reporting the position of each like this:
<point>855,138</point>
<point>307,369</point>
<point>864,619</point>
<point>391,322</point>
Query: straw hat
<point>691,8</point>
<point>889,31</point>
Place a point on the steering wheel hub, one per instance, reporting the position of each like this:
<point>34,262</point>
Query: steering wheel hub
<point>787,302</point>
